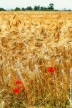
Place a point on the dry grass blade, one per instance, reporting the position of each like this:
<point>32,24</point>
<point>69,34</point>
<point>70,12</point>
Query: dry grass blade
<point>2,104</point>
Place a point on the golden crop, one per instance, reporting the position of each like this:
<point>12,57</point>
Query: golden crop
<point>29,43</point>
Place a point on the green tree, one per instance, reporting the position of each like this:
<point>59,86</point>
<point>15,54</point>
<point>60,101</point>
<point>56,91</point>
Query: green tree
<point>23,9</point>
<point>29,8</point>
<point>51,6</point>
<point>37,7</point>
<point>42,8</point>
<point>2,9</point>
<point>17,9</point>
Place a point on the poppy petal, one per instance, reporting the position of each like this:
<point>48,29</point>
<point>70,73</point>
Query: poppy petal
<point>18,82</point>
<point>51,69</point>
<point>16,90</point>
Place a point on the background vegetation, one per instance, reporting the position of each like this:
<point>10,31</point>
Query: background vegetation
<point>50,7</point>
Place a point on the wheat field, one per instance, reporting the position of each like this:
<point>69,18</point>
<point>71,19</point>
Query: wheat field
<point>29,43</point>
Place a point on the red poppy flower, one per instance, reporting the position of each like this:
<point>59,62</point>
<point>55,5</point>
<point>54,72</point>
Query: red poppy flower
<point>16,90</point>
<point>51,69</point>
<point>22,86</point>
<point>18,82</point>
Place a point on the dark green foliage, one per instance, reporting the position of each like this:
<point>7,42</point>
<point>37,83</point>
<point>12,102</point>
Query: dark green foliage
<point>29,8</point>
<point>51,6</point>
<point>37,8</point>
<point>23,9</point>
<point>1,9</point>
<point>17,9</point>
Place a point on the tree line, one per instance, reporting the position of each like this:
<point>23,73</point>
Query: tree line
<point>35,8</point>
